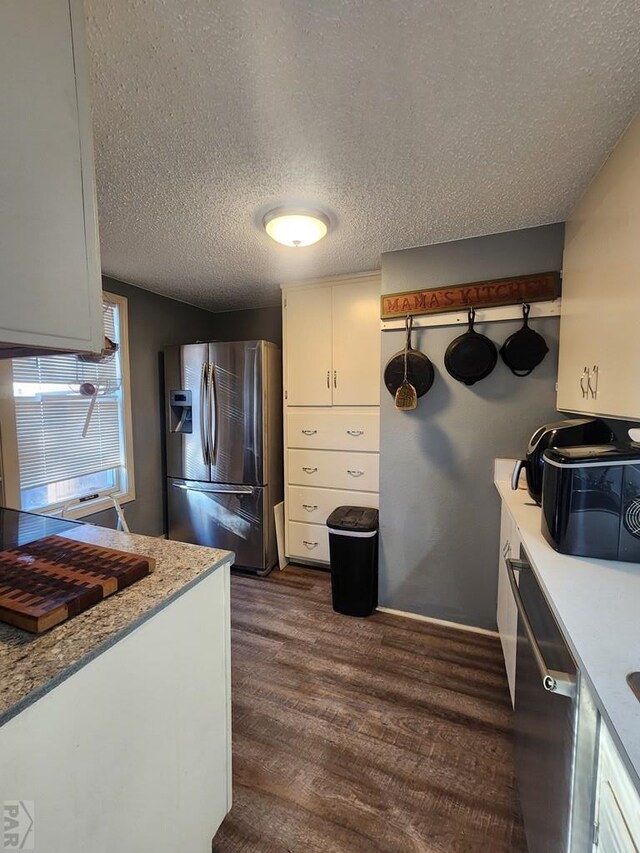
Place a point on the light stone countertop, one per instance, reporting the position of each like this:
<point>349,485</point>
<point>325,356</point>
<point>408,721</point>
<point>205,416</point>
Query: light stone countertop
<point>33,664</point>
<point>597,605</point>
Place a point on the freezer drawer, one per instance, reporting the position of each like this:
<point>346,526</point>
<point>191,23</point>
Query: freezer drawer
<point>234,518</point>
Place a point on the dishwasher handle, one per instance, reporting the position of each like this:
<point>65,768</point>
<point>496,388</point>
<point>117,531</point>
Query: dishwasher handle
<point>563,683</point>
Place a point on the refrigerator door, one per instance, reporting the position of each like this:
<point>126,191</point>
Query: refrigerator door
<point>236,422</point>
<point>185,370</point>
<point>224,516</point>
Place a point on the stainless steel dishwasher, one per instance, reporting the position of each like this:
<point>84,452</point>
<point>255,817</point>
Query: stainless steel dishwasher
<point>555,727</point>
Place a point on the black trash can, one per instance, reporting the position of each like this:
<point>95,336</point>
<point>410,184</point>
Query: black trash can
<point>353,550</point>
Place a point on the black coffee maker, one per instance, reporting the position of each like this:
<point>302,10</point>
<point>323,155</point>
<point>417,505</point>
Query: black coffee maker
<point>569,433</point>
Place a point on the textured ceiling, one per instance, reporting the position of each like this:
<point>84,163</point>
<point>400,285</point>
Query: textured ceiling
<point>409,121</point>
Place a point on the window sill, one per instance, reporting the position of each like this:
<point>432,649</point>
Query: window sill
<point>90,507</point>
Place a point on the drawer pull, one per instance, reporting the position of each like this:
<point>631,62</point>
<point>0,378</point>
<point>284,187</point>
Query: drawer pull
<point>309,431</point>
<point>310,507</point>
<point>355,473</point>
<point>309,545</point>
<point>355,432</point>
<point>309,470</point>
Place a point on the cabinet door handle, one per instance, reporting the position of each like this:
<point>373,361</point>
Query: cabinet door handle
<point>328,379</point>
<point>593,389</point>
<point>355,473</point>
<point>310,507</point>
<point>309,470</point>
<point>309,431</point>
<point>583,388</point>
<point>335,378</point>
<point>355,432</point>
<point>309,545</point>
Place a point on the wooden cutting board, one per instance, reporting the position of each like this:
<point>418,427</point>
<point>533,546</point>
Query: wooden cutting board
<point>50,580</point>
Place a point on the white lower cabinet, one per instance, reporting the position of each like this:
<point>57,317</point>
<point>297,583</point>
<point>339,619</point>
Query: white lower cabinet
<point>507,612</point>
<point>334,429</point>
<point>334,469</point>
<point>617,812</point>
<point>144,723</point>
<point>316,505</point>
<point>308,541</point>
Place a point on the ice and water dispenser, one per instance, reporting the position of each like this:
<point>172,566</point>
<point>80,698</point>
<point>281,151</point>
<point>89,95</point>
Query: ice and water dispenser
<point>181,411</point>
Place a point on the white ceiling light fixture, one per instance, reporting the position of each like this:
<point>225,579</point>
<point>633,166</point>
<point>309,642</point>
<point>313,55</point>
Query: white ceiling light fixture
<point>296,228</point>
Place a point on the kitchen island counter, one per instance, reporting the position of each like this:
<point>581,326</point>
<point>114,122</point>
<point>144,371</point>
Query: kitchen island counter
<point>116,725</point>
<point>32,664</point>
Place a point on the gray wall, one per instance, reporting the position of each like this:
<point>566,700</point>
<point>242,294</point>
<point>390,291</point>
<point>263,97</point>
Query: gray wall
<point>156,322</point>
<point>249,325</point>
<point>438,507</point>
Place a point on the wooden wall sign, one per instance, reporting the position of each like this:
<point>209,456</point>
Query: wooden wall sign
<point>479,294</point>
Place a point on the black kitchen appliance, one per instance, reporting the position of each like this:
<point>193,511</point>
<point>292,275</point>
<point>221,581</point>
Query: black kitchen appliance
<point>560,434</point>
<point>591,501</point>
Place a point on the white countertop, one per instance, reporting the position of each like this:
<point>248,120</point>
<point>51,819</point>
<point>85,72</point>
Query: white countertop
<point>597,605</point>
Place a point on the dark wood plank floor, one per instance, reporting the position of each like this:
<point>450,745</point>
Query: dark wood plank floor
<point>378,734</point>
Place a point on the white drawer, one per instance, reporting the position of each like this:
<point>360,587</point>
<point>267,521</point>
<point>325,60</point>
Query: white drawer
<point>331,429</point>
<point>316,505</point>
<point>334,469</point>
<point>308,541</point>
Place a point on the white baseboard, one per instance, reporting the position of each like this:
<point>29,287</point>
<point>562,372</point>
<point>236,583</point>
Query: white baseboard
<point>442,622</point>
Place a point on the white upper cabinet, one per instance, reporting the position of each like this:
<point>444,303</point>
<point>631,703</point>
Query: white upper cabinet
<point>356,343</point>
<point>49,255</point>
<point>599,340</point>
<point>332,334</point>
<point>308,360</point>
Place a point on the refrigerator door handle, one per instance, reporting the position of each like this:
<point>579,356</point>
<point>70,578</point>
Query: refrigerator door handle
<point>203,414</point>
<point>256,432</point>
<point>213,414</point>
<point>216,490</point>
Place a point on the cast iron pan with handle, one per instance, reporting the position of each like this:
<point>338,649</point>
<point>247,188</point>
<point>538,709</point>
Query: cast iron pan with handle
<point>420,371</point>
<point>470,357</point>
<point>524,349</point>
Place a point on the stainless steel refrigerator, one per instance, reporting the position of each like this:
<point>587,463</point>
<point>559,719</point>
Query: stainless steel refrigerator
<point>224,447</point>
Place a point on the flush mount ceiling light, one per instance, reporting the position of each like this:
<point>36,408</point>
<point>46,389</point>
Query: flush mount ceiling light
<point>296,228</point>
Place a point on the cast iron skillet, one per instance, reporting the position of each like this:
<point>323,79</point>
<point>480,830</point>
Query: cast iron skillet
<point>524,349</point>
<point>471,356</point>
<point>420,372</point>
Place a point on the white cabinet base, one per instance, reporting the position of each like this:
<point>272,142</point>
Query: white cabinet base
<point>133,752</point>
<point>308,542</point>
<point>617,813</point>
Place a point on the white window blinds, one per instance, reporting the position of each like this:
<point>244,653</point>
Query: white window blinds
<point>51,414</point>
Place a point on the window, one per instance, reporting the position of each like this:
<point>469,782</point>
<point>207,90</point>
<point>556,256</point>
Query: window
<point>72,425</point>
